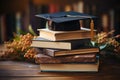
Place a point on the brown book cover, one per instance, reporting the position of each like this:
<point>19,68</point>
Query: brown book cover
<point>85,58</point>
<point>65,35</point>
<point>56,52</point>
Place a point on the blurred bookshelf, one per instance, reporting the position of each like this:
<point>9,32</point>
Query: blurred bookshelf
<point>19,14</point>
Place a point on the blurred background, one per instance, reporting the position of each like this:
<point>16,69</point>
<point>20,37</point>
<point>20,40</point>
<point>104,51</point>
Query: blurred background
<point>18,15</point>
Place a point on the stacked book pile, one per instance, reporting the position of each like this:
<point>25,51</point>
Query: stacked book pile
<point>66,50</point>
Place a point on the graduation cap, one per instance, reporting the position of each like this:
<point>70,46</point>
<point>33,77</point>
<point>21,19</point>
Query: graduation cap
<point>65,21</point>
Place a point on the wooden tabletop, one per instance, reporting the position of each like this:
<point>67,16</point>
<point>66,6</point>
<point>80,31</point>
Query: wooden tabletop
<point>19,70</point>
<point>109,69</point>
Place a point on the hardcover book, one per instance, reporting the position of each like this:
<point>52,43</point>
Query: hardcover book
<point>70,67</point>
<point>85,58</point>
<point>56,52</point>
<point>65,35</point>
<point>67,44</point>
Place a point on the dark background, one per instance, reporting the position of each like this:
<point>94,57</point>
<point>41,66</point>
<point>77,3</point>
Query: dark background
<point>28,8</point>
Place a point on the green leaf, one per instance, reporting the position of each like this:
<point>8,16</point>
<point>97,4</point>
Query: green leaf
<point>101,46</point>
<point>31,30</point>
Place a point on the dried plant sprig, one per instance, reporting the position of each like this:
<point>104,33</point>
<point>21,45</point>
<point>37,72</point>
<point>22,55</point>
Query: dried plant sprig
<point>105,39</point>
<point>102,37</point>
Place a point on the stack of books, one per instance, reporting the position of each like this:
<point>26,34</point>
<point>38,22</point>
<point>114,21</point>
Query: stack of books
<point>66,51</point>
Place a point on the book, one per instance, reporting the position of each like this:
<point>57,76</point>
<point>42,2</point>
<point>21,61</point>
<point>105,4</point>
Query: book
<point>67,44</point>
<point>3,36</point>
<point>10,25</point>
<point>53,8</point>
<point>85,58</point>
<point>70,67</point>
<point>56,52</point>
<point>65,35</point>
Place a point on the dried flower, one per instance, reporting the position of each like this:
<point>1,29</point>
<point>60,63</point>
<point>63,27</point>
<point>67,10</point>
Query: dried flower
<point>108,41</point>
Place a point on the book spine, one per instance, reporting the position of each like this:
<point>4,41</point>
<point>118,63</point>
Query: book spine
<point>49,52</point>
<point>53,8</point>
<point>75,44</point>
<point>56,53</point>
<point>42,58</point>
<point>3,28</point>
<point>10,25</point>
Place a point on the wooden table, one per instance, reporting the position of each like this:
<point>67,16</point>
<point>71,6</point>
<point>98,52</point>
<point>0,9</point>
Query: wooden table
<point>16,70</point>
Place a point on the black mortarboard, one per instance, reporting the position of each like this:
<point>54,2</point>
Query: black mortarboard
<point>65,21</point>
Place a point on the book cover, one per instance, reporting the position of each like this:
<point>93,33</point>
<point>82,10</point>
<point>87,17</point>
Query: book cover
<point>65,35</point>
<point>85,58</point>
<point>70,67</point>
<point>56,52</point>
<point>67,44</point>
<point>3,35</point>
<point>53,8</point>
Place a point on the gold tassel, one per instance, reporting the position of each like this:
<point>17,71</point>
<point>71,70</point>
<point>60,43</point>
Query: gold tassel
<point>92,29</point>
